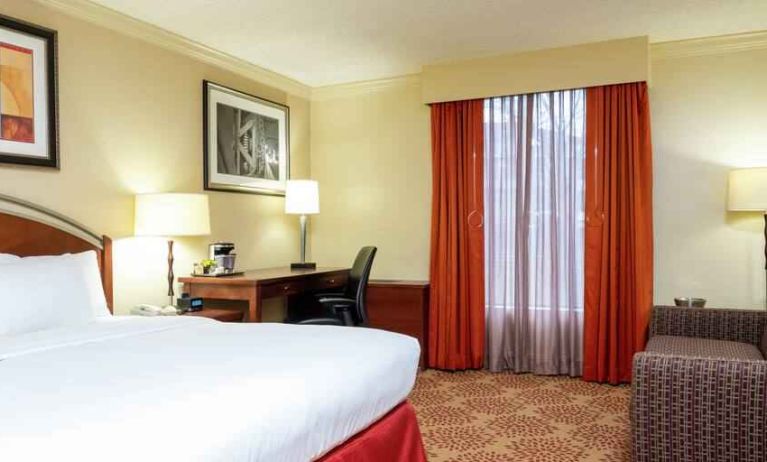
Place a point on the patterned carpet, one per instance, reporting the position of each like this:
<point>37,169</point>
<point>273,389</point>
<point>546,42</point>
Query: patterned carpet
<point>484,417</point>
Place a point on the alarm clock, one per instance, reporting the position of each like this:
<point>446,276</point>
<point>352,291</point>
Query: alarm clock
<point>189,303</point>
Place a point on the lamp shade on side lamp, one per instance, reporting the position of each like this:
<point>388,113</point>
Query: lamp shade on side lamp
<point>748,190</point>
<point>171,215</point>
<point>748,193</point>
<point>302,197</point>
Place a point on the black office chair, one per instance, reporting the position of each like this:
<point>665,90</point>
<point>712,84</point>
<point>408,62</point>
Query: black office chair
<point>347,308</point>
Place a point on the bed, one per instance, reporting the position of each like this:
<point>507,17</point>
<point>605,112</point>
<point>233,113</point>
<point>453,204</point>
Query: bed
<point>187,388</point>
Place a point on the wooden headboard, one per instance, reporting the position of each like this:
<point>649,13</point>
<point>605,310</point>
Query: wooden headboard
<point>27,229</point>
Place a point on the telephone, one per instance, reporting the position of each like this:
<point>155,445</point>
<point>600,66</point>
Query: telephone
<point>152,310</point>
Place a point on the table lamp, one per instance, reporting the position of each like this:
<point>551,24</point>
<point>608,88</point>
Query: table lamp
<point>169,215</point>
<point>748,193</point>
<point>302,197</point>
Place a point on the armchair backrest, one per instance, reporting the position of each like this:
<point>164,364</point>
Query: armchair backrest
<point>746,326</point>
<point>356,288</point>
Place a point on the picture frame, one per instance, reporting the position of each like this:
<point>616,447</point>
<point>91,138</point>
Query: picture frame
<point>28,94</point>
<point>246,142</point>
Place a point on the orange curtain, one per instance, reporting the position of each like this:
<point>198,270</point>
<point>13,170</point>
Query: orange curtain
<point>457,301</point>
<point>619,246</point>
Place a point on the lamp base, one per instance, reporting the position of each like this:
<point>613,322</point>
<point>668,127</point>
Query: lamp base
<point>303,265</point>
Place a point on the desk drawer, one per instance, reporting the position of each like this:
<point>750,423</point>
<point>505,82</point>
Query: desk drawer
<point>222,292</point>
<point>281,289</point>
<point>329,281</point>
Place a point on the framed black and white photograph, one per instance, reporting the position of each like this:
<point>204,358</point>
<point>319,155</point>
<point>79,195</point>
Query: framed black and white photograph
<point>28,115</point>
<point>246,142</point>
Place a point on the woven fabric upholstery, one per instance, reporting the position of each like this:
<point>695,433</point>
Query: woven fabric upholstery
<point>763,345</point>
<point>698,409</point>
<point>702,347</point>
<point>691,401</point>
<point>746,326</point>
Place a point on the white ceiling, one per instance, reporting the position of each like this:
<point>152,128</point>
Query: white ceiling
<point>322,42</point>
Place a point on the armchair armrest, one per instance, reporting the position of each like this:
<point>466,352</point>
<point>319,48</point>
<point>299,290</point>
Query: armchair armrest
<point>715,409</point>
<point>745,326</point>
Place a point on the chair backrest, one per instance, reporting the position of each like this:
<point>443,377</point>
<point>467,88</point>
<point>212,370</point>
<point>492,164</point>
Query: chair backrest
<point>357,286</point>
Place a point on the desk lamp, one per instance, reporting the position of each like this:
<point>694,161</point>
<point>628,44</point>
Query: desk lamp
<point>302,197</point>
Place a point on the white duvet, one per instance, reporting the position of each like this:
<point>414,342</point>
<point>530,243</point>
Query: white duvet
<point>188,389</point>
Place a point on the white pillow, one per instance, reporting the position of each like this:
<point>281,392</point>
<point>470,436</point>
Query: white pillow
<point>41,293</point>
<point>93,272</point>
<point>8,258</point>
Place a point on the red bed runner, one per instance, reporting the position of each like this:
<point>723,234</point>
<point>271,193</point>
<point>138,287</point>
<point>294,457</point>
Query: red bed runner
<point>394,437</point>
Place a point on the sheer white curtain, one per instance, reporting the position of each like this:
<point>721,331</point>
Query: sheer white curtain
<point>534,231</point>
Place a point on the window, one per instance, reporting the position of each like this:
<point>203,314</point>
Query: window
<point>534,227</point>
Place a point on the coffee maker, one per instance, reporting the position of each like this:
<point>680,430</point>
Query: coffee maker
<point>223,254</point>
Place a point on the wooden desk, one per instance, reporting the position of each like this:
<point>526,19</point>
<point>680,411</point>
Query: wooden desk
<point>257,285</point>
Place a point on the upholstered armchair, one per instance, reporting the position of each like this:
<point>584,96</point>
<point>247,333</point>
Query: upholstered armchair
<point>700,388</point>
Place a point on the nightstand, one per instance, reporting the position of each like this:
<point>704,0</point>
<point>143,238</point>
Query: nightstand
<point>218,314</point>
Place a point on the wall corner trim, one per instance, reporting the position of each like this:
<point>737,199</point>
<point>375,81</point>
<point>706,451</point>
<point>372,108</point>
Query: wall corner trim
<point>119,22</point>
<point>704,46</point>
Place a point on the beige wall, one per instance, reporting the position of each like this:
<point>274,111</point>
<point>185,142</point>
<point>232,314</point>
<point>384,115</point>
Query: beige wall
<point>588,65</point>
<point>708,116</point>
<point>371,156</point>
<point>131,121</point>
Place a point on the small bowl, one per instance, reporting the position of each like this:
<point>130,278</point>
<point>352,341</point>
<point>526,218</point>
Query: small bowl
<point>693,302</point>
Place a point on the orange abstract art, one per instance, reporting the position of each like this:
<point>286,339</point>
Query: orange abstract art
<point>17,108</point>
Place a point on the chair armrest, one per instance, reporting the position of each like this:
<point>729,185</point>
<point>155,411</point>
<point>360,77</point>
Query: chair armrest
<point>328,295</point>
<point>714,408</point>
<point>337,302</point>
<point>321,322</point>
<point>745,326</point>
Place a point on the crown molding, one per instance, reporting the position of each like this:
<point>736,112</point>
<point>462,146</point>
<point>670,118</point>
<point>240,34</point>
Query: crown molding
<point>364,87</point>
<point>114,20</point>
<point>722,44</point>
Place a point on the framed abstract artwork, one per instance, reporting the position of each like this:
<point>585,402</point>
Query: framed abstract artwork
<point>28,94</point>
<point>245,142</point>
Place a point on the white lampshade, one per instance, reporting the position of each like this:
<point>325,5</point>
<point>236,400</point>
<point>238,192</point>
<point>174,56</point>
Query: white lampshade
<point>302,197</point>
<point>172,214</point>
<point>748,190</point>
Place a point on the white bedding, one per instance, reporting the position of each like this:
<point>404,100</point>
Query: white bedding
<point>186,389</point>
